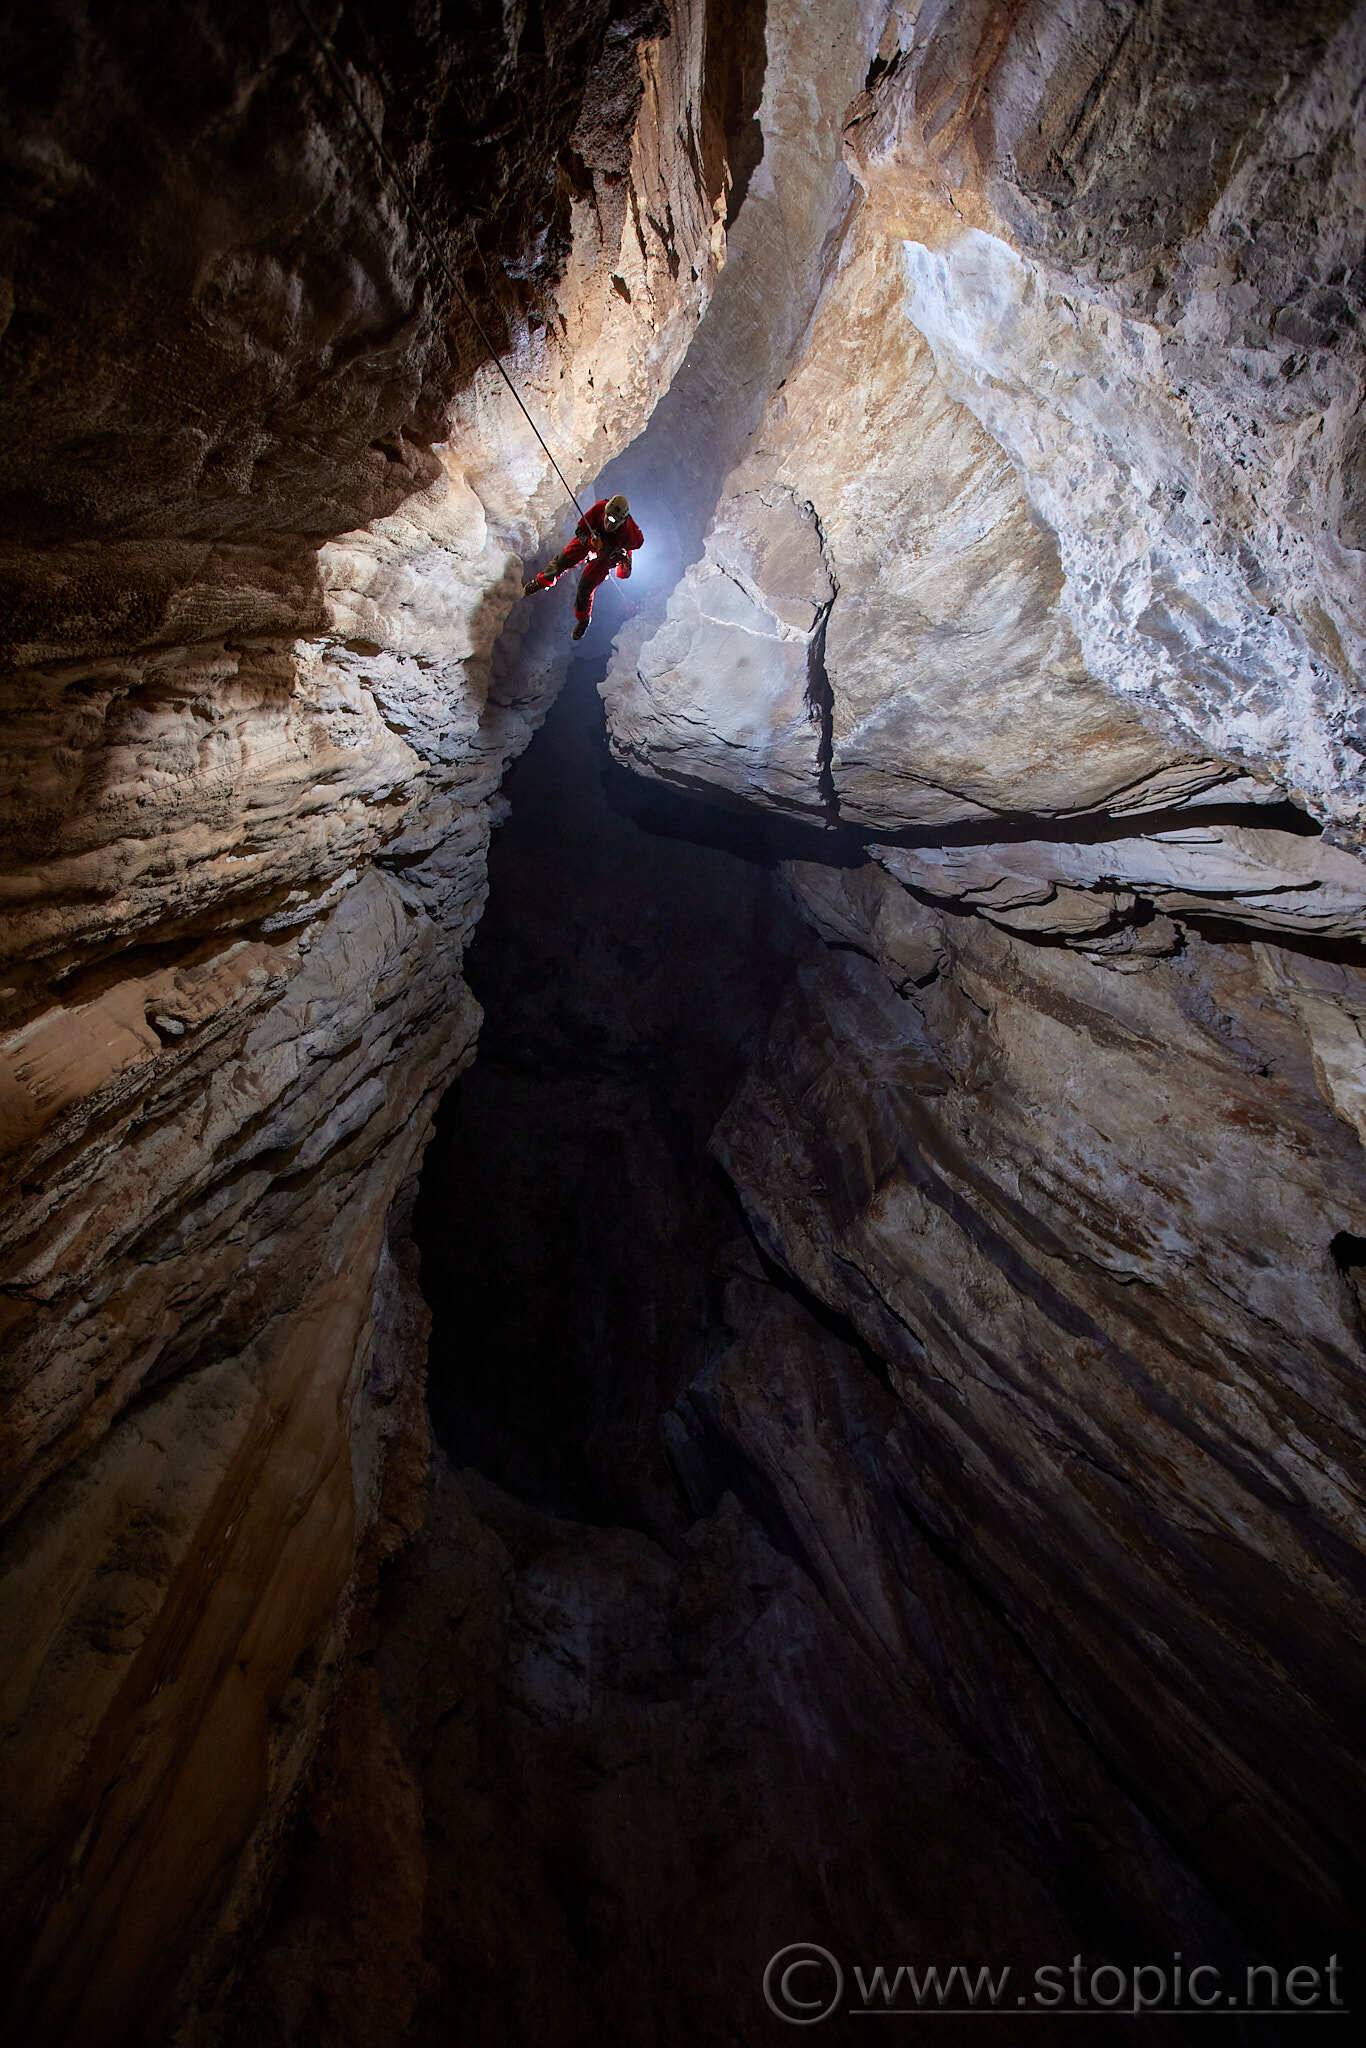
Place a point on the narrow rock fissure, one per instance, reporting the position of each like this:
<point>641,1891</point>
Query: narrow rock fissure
<point>608,1341</point>
<point>821,699</point>
<point>570,1214</point>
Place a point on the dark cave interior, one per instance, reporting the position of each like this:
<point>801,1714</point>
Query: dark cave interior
<point>711,1691</point>
<point>570,1217</point>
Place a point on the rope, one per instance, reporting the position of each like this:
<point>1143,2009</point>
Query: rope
<point>405,193</point>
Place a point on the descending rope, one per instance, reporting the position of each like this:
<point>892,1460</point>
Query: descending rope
<point>409,200</point>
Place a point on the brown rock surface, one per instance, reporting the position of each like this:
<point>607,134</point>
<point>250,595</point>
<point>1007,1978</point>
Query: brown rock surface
<point>266,504</point>
<point>1075,418</point>
<point>1085,523</point>
<point>1090,1222</point>
<point>988,379</point>
<point>655,1702</point>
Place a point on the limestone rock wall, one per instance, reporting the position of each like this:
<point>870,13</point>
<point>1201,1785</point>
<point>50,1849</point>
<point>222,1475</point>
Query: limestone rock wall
<point>1101,1226</point>
<point>673,1669</point>
<point>1208,534</point>
<point>266,503</point>
<point>1006,508</point>
<point>1082,456</point>
<point>1063,636</point>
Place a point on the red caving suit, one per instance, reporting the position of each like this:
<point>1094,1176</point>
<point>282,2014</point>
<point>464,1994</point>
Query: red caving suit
<point>603,554</point>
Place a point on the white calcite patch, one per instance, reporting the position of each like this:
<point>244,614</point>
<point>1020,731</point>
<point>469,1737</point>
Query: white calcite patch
<point>1183,594</point>
<point>727,694</point>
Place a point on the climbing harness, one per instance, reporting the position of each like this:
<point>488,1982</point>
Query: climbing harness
<point>333,62</point>
<point>606,537</point>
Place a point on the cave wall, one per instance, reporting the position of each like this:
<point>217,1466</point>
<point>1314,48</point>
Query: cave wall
<point>266,505</point>
<point>672,1668</point>
<point>1077,423</point>
<point>1039,579</point>
<point>1010,492</point>
<point>1089,1219</point>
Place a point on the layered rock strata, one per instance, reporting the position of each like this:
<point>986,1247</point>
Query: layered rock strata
<point>1077,422</point>
<point>1039,581</point>
<point>268,503</point>
<point>1006,508</point>
<point>673,1671</point>
<point>1101,1227</point>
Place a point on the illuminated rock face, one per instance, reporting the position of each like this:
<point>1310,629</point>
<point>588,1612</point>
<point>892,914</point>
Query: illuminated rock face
<point>1084,458</point>
<point>1076,1148</point>
<point>754,610</point>
<point>1101,1227</point>
<point>1008,481</point>
<point>266,506</point>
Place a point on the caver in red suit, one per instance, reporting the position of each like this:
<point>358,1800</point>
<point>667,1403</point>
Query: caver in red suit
<point>607,535</point>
